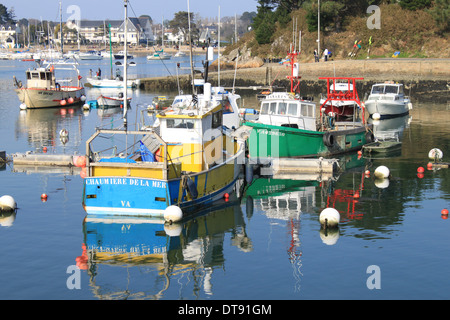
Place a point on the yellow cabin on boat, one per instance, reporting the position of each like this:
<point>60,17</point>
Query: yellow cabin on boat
<point>193,137</point>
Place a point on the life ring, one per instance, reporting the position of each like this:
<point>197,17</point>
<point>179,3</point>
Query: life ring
<point>328,139</point>
<point>370,137</point>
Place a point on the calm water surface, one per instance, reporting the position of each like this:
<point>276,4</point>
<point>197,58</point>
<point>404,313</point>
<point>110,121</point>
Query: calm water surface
<point>265,245</point>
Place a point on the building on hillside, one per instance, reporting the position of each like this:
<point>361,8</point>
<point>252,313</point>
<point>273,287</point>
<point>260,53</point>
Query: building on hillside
<point>7,36</point>
<point>96,31</point>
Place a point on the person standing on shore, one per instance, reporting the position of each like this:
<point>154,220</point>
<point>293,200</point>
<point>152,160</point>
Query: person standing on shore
<point>325,54</point>
<point>316,56</point>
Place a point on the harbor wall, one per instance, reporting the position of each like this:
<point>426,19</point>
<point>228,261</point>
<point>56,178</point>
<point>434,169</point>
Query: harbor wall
<point>422,78</point>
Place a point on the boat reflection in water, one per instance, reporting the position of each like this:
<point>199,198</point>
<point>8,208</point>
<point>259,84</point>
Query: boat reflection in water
<point>389,134</point>
<point>159,260</point>
<point>288,197</point>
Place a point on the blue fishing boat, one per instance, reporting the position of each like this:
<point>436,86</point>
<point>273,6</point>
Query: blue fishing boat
<point>186,160</point>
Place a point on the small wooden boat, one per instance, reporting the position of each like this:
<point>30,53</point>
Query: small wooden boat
<point>385,146</point>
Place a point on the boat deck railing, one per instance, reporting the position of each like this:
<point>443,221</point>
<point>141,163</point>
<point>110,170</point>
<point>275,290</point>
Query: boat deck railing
<point>92,159</point>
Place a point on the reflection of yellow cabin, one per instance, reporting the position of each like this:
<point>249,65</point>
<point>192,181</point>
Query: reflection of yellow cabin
<point>193,138</point>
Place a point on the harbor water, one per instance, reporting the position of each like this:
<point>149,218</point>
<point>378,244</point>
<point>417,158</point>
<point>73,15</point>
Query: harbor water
<point>264,243</point>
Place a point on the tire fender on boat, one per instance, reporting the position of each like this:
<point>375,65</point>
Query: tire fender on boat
<point>192,188</point>
<point>370,137</point>
<point>328,139</point>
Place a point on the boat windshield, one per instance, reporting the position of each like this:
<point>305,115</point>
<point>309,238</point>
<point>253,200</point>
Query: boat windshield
<point>391,89</point>
<point>377,89</point>
<point>381,89</point>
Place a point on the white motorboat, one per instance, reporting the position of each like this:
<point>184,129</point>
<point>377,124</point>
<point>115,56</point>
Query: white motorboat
<point>90,55</point>
<point>387,100</point>
<point>112,83</point>
<point>121,54</point>
<point>112,101</point>
<point>43,90</point>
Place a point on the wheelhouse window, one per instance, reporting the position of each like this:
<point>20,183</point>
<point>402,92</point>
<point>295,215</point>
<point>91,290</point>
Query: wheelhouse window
<point>307,110</point>
<point>217,119</point>
<point>265,108</point>
<point>180,123</point>
<point>292,109</point>
<point>378,89</point>
<point>273,108</point>
<point>391,89</point>
<point>282,107</point>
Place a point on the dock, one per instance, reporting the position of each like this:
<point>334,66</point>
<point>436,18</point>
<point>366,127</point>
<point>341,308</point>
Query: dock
<point>42,159</point>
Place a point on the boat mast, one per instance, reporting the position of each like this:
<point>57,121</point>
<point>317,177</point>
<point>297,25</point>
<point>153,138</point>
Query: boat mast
<point>110,51</point>
<point>61,28</point>
<point>125,100</point>
<point>190,51</point>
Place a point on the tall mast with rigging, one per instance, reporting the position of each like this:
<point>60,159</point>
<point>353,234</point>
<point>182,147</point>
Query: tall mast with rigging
<point>125,61</point>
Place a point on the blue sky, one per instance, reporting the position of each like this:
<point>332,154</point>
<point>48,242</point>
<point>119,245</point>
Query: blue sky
<point>113,9</point>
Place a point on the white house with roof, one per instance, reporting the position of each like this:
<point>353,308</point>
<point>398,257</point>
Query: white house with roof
<point>96,31</point>
<point>7,36</point>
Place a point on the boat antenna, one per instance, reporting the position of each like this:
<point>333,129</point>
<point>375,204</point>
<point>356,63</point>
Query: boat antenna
<point>125,60</point>
<point>190,51</point>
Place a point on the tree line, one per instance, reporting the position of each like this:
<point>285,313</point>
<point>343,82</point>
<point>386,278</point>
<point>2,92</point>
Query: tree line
<point>334,13</point>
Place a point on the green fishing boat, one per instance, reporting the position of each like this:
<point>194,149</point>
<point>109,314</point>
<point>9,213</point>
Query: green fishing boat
<point>288,127</point>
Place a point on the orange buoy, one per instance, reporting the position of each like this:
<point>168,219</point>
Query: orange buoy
<point>359,152</point>
<point>44,197</point>
<point>444,212</point>
<point>226,196</point>
<point>420,169</point>
<point>80,161</point>
<point>63,102</point>
<point>70,100</point>
<point>429,166</point>
<point>44,149</point>
<point>356,194</point>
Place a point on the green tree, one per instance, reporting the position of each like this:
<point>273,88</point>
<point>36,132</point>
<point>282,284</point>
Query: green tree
<point>414,4</point>
<point>264,22</point>
<point>441,14</point>
<point>180,23</point>
<point>6,16</point>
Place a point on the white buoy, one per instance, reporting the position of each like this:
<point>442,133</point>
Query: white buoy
<point>83,98</point>
<point>86,106</point>
<point>435,154</point>
<point>382,172</point>
<point>7,203</point>
<point>329,218</point>
<point>173,214</point>
<point>23,106</point>
<point>376,116</point>
<point>63,133</point>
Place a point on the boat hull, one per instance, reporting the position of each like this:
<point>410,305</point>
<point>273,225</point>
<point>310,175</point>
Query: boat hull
<point>108,83</point>
<point>387,108</point>
<point>120,194</point>
<point>43,98</point>
<point>111,102</point>
<point>267,141</point>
